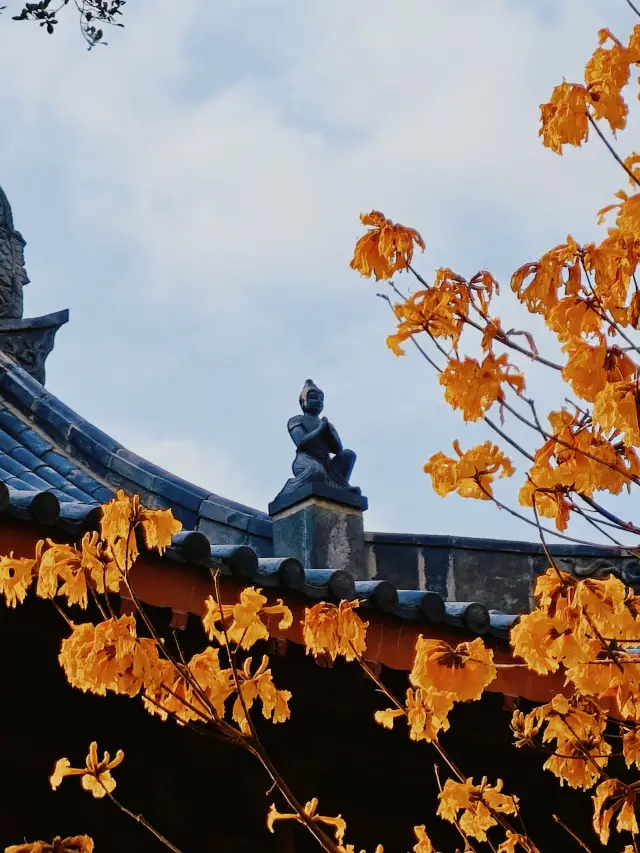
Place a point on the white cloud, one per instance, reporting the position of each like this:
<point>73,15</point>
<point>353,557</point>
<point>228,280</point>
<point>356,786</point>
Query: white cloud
<point>202,465</point>
<point>192,193</point>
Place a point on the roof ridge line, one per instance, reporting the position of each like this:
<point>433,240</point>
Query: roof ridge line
<point>106,459</point>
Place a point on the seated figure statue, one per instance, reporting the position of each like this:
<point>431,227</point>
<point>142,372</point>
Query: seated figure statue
<point>320,457</point>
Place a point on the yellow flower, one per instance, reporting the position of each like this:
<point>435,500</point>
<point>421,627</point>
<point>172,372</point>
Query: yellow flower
<point>475,387</point>
<point>275,703</point>
<point>388,717</point>
<point>439,310</point>
<point>246,627</point>
<point>472,475</point>
<point>96,776</point>
<point>578,456</point>
<point>477,802</point>
<point>16,576</point>
<point>334,630</point>
<point>109,656</point>
<point>512,841</point>
<point>616,407</point>
<point>617,797</point>
<point>550,501</point>
<point>338,823</point>
<point>545,642</point>
<point>525,727</point>
<point>564,118</point>
<point>386,248</point>
<point>349,848</point>
<point>423,842</point>
<point>577,725</point>
<point>464,671</point>
<point>631,747</point>
<point>613,263</point>
<point>605,75</point>
<point>169,691</point>
<point>122,515</point>
<point>540,294</point>
<point>427,713</point>
<point>552,588</point>
<point>63,570</point>
<point>72,844</point>
<point>571,764</point>
<point>573,317</point>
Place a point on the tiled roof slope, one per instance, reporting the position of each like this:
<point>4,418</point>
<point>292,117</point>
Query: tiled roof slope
<point>57,468</point>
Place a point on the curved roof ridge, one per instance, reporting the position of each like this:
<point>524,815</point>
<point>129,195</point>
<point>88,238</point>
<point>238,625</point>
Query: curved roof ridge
<point>108,461</point>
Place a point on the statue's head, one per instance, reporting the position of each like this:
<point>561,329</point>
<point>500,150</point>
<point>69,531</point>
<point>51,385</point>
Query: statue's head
<point>13,274</point>
<point>311,398</point>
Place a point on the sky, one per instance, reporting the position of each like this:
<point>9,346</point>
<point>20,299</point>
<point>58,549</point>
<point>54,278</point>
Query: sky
<point>192,193</point>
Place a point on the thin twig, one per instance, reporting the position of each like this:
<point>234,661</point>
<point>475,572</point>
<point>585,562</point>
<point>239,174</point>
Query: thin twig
<point>258,750</point>
<point>572,833</point>
<point>610,147</point>
<point>501,338</point>
<point>144,822</point>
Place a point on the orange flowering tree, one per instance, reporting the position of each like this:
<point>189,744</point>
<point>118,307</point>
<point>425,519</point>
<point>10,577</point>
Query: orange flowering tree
<point>589,299</point>
<point>586,629</point>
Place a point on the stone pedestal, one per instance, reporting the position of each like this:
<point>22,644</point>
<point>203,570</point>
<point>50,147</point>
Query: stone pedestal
<point>322,527</point>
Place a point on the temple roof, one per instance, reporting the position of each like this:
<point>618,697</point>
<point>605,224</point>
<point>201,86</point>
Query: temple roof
<point>57,468</point>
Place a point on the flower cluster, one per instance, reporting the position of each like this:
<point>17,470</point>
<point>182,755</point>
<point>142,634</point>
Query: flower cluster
<point>334,630</point>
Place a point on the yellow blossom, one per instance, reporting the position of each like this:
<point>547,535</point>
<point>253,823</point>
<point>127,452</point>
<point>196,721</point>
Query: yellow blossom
<point>564,118</point>
<point>616,407</point>
<point>472,474</point>
<point>631,747</point>
<point>476,802</point>
<point>514,839</point>
<point>617,797</point>
<point>577,725</point>
<point>275,703</point>
<point>16,576</point>
<point>537,284</point>
<point>72,844</point>
<point>64,569</point>
<point>96,775</point>
<point>464,672</point>
<point>338,824</point>
<point>122,515</point>
<point>605,75</point>
<point>386,248</point>
<point>170,691</point>
<point>545,642</point>
<point>439,310</point>
<point>426,713</point>
<point>109,656</point>
<point>246,627</point>
<point>475,387</point>
<point>334,630</point>
<point>423,842</point>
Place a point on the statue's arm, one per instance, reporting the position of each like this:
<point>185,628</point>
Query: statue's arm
<point>333,439</point>
<point>300,436</point>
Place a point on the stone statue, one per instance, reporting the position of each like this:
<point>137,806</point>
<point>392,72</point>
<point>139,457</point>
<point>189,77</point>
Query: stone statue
<point>320,457</point>
<point>13,275</point>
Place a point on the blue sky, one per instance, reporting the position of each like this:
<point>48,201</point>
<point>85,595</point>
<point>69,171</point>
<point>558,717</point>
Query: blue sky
<point>192,191</point>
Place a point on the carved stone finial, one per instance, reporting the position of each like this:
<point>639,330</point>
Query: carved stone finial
<point>28,342</point>
<point>320,459</point>
<point>13,273</point>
